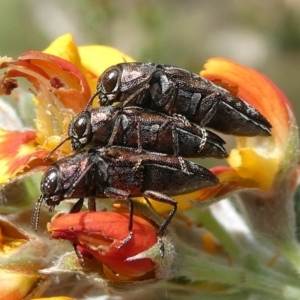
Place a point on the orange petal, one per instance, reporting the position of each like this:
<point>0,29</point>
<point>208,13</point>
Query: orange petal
<point>61,91</point>
<point>60,76</point>
<point>19,152</point>
<point>99,233</point>
<point>55,79</point>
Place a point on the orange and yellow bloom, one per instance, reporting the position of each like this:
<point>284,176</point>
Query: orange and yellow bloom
<point>253,156</point>
<point>263,172</point>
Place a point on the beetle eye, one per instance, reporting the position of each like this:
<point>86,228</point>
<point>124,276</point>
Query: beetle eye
<point>108,82</point>
<point>80,128</point>
<point>49,183</point>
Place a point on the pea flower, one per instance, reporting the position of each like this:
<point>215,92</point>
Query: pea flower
<point>101,234</point>
<point>263,171</point>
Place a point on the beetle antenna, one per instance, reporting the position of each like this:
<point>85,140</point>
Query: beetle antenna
<point>53,150</point>
<point>36,213</point>
<point>90,101</point>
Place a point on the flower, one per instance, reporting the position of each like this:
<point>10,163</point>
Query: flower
<point>251,154</point>
<point>263,171</point>
<point>60,74</point>
<point>101,235</point>
<point>256,162</point>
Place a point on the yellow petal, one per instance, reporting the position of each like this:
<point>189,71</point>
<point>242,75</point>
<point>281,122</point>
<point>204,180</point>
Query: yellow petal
<point>65,47</point>
<point>249,164</point>
<point>96,59</point>
<point>16,286</point>
<point>90,60</point>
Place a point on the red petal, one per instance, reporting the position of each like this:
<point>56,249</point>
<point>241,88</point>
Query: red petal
<point>19,152</point>
<point>61,77</point>
<point>99,233</point>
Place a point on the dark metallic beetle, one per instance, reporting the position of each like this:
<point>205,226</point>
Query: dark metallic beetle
<point>173,90</point>
<point>121,173</point>
<point>143,129</point>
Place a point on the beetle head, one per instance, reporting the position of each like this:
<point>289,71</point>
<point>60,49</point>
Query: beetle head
<point>80,130</point>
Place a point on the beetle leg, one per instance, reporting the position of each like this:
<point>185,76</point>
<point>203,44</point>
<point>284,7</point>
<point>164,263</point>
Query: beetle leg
<point>115,131</point>
<point>175,140</point>
<point>139,145</point>
<point>157,196</point>
<point>186,122</point>
<point>77,206</point>
<point>160,135</point>
<point>160,197</point>
<point>137,165</point>
<point>163,93</point>
<point>175,133</point>
<point>129,237</point>
<point>69,192</point>
<point>215,98</point>
<point>182,118</point>
<point>203,139</point>
<point>163,126</point>
<point>123,195</point>
<point>134,97</point>
<point>168,98</point>
<point>92,204</point>
<point>176,145</point>
<point>183,165</point>
<point>90,101</point>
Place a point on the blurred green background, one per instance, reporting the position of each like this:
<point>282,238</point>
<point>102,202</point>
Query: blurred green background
<point>261,34</point>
